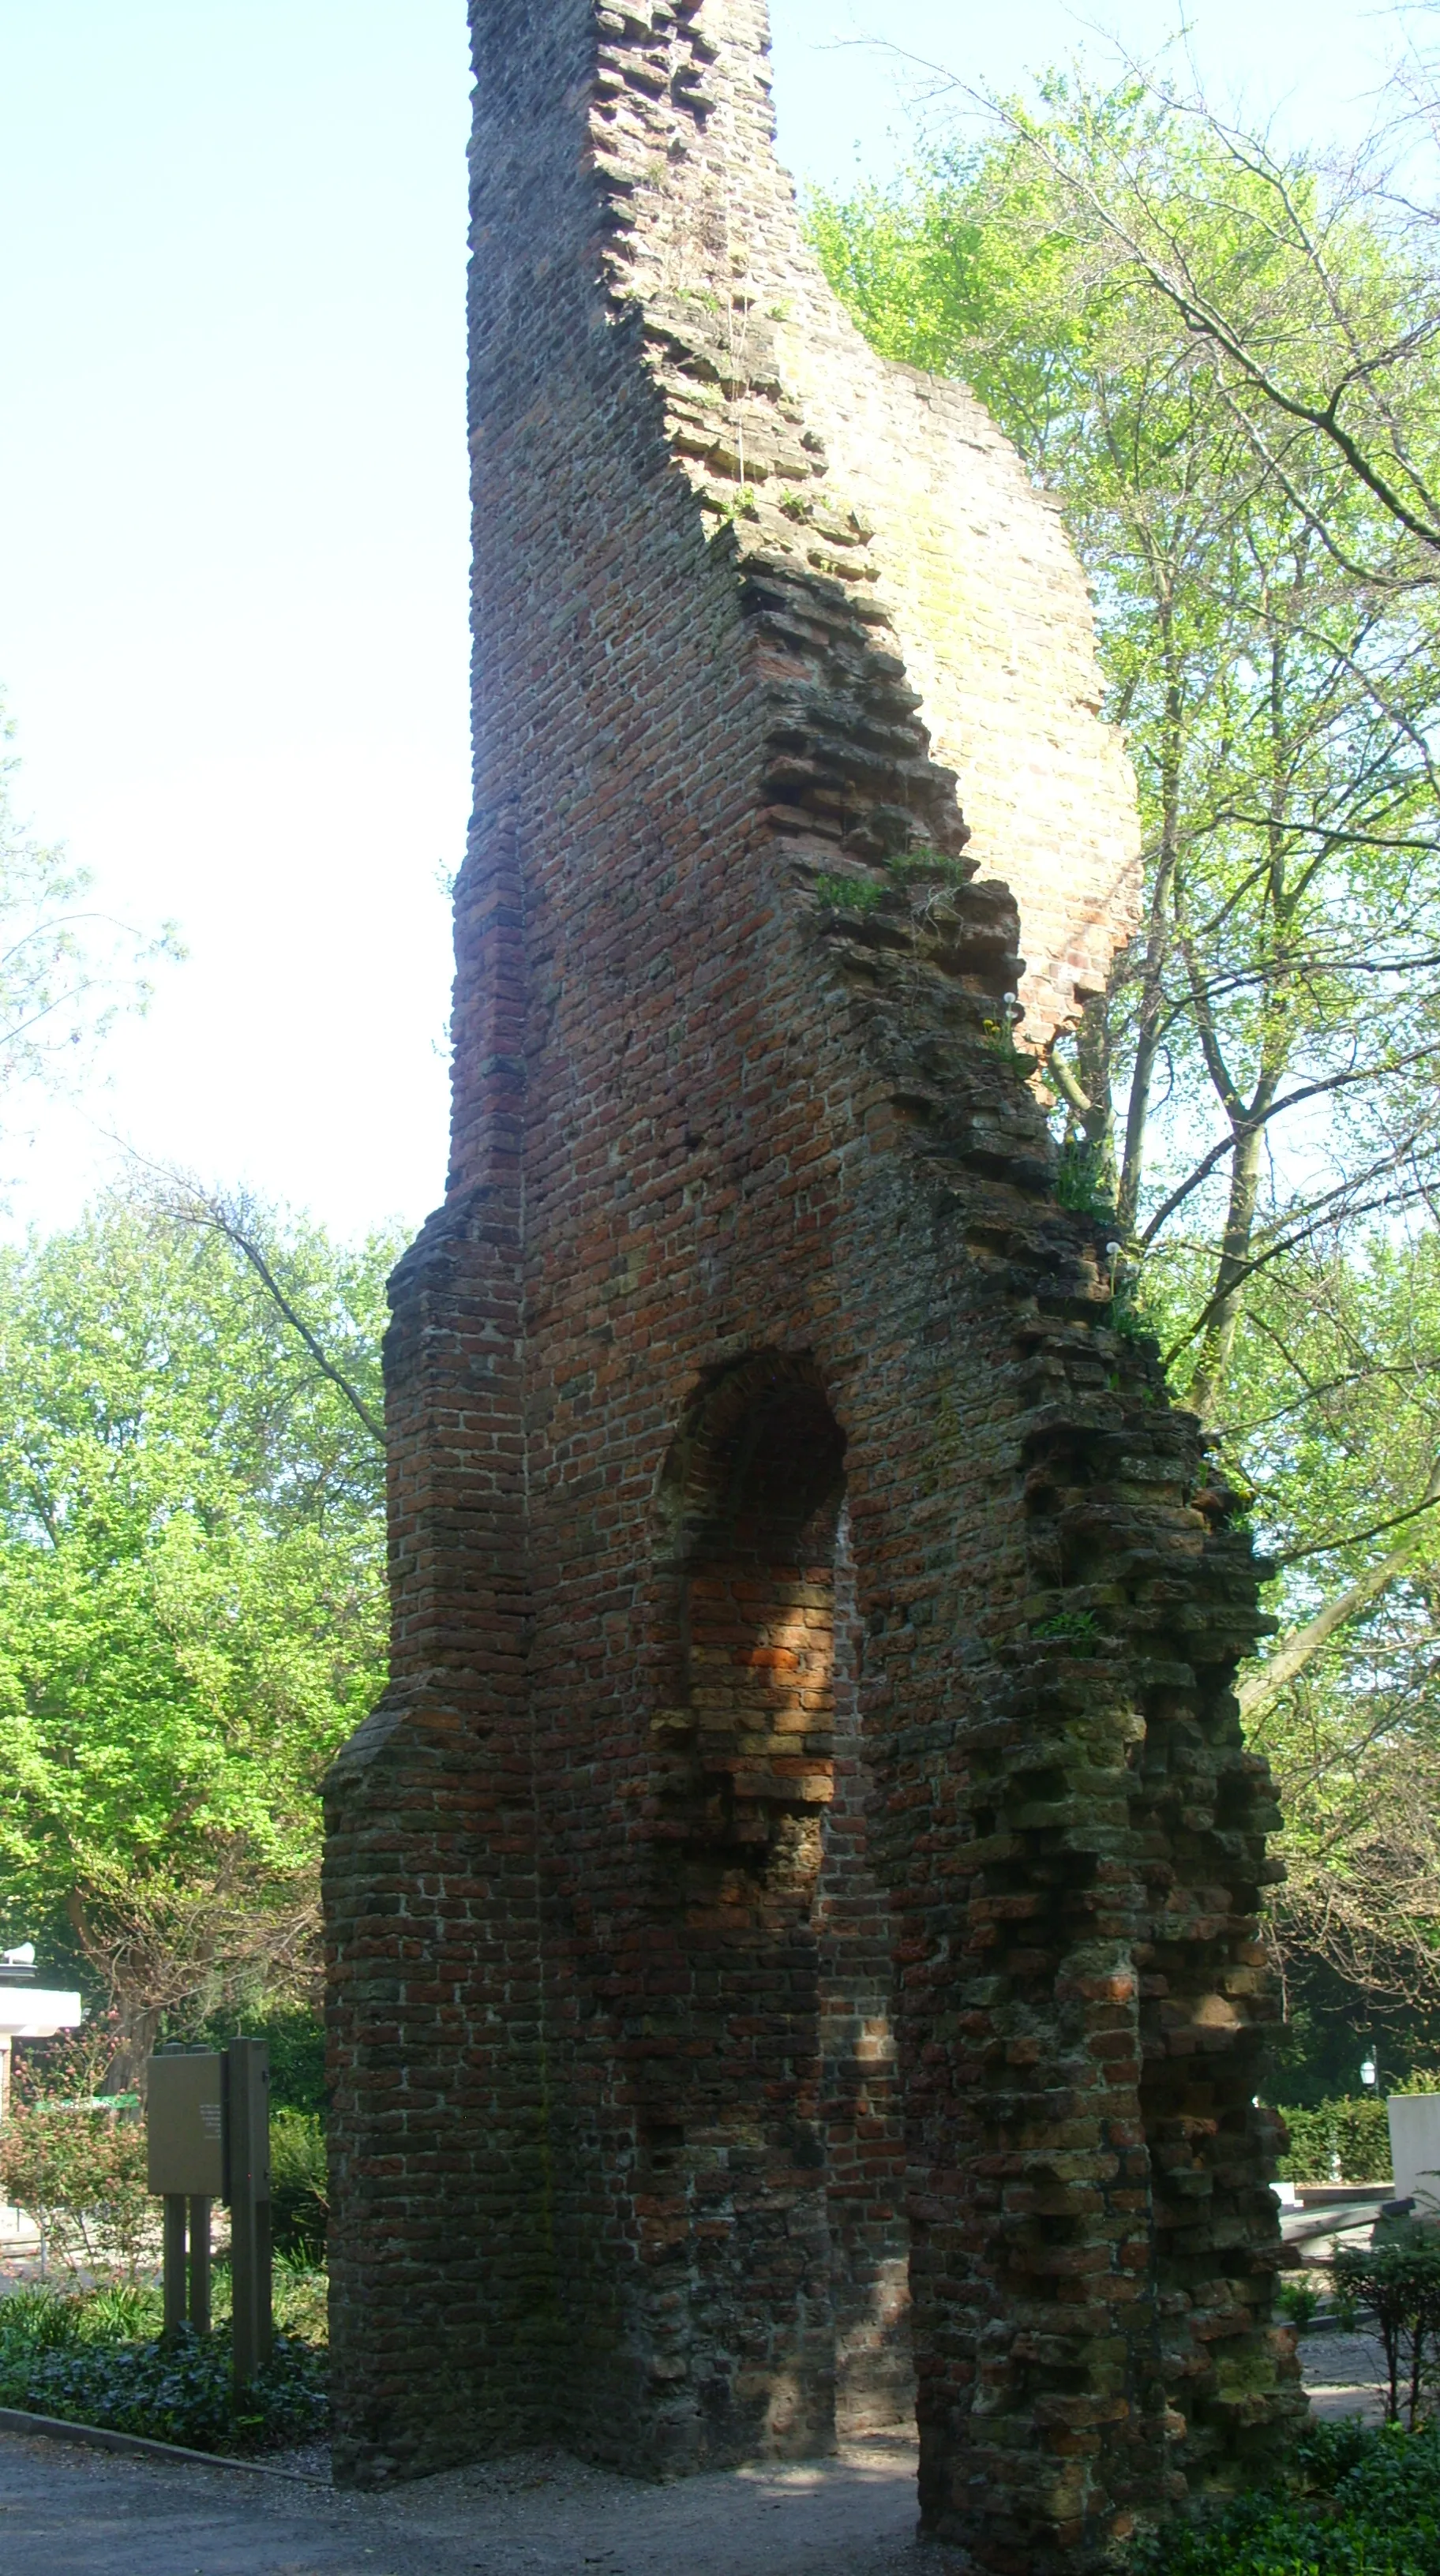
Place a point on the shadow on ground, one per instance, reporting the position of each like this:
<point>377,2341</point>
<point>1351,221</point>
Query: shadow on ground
<point>67,2512</point>
<point>70,2512</point>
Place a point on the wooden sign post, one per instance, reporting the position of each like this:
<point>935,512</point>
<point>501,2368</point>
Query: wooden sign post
<point>208,2138</point>
<point>185,2165</point>
<point>247,2188</point>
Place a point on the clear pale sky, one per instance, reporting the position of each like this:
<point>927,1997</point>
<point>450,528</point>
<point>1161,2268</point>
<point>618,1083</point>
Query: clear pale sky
<point>233,514</point>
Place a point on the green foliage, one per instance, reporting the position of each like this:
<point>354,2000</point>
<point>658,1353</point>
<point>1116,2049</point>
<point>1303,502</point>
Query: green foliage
<point>301,2296</point>
<point>1398,2281</point>
<point>921,862</point>
<point>75,2160</point>
<point>1346,2140</point>
<point>1084,1179</point>
<point>120,2312</point>
<point>1261,1077</point>
<point>849,894</point>
<point>1298,2304</point>
<point>80,2360</point>
<point>1368,2505</point>
<point>998,1038</point>
<point>133,2311</point>
<point>1130,1314</point>
<point>294,2034</point>
<point>1345,2308</point>
<point>740,504</point>
<point>191,1596</point>
<point>299,2183</point>
<point>296,2041</point>
<point>1078,1628</point>
<point>1337,1405</point>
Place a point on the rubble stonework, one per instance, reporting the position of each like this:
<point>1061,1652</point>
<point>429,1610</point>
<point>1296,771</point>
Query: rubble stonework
<point>806,1853</point>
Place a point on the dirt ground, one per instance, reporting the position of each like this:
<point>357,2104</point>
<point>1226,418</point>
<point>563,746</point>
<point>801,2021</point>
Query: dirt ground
<point>70,2512</point>
<point>1344,2375</point>
<point>65,2511</point>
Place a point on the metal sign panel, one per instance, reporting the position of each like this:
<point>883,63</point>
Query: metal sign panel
<point>184,2126</point>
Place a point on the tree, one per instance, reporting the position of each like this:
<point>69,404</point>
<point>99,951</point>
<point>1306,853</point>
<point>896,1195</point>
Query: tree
<point>191,1597</point>
<point>65,969</point>
<point>1337,1397</point>
<point>1255,1097</point>
<point>1317,368</point>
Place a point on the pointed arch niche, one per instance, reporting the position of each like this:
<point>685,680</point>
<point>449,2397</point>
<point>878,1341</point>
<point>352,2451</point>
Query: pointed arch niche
<point>772,2140</point>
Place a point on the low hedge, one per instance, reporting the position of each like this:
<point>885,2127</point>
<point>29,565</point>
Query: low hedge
<point>1368,2504</point>
<point>1356,2130</point>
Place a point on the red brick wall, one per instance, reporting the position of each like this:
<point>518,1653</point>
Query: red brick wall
<point>810,1743</point>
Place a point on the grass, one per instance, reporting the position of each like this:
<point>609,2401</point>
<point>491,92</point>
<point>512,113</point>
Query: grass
<point>97,2357</point>
<point>1364,2503</point>
<point>849,894</point>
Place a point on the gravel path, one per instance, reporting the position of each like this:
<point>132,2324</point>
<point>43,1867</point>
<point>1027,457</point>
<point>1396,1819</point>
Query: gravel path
<point>1344,2375</point>
<point>68,2512</point>
<point>71,2512</point>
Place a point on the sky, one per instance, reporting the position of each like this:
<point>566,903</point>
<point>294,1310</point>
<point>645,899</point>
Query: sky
<point>233,517</point>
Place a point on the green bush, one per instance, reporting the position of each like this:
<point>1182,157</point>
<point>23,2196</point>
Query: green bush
<point>299,2184</point>
<point>79,2172</point>
<point>1354,2130</point>
<point>78,2358</point>
<point>1369,2505</point>
<point>1398,2280</point>
<point>1298,2303</point>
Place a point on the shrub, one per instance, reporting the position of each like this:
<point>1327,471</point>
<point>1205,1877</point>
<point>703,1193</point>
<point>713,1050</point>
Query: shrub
<point>1398,2280</point>
<point>299,2184</point>
<point>79,2172</point>
<point>73,2358</point>
<point>1298,2304</point>
<point>1351,2134</point>
<point>849,894</point>
<point>1369,2505</point>
<point>302,2299</point>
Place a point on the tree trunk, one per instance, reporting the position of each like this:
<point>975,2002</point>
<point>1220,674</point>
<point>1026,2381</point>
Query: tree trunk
<point>1231,1271</point>
<point>1152,973</point>
<point>1259,1690</point>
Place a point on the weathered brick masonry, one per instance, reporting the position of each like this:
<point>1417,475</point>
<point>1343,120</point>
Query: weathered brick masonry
<point>808,1827</point>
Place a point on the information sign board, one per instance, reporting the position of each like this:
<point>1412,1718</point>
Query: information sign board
<point>184,2126</point>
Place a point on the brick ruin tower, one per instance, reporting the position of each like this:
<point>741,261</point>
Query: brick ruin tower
<point>793,1914</point>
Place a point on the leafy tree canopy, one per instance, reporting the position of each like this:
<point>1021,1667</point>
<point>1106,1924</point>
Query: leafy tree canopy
<point>1255,1100</point>
<point>191,1614</point>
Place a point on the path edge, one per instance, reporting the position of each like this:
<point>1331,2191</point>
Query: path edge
<point>99,2437</point>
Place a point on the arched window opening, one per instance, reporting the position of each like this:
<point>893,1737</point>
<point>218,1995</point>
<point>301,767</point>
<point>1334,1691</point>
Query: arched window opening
<point>731,2132</point>
<point>769,2131</point>
<point>763,1485</point>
